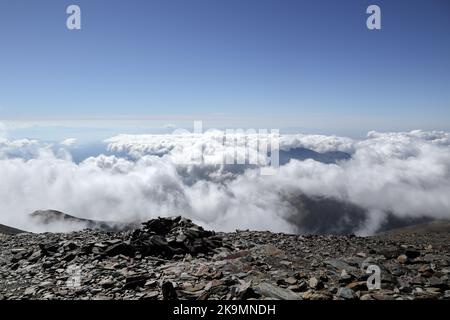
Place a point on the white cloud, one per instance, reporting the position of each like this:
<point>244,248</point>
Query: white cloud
<point>23,148</point>
<point>407,174</point>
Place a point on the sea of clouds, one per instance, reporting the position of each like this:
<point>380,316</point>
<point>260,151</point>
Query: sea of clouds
<point>405,174</point>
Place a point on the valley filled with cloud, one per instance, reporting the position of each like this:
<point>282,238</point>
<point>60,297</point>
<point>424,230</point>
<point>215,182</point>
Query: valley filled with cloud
<point>325,184</point>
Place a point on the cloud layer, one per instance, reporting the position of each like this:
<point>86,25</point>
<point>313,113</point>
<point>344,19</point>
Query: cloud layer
<point>404,174</point>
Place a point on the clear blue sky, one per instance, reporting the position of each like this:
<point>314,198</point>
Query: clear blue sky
<point>292,60</point>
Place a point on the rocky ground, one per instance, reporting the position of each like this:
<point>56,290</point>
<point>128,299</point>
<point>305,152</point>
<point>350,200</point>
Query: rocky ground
<point>172,258</point>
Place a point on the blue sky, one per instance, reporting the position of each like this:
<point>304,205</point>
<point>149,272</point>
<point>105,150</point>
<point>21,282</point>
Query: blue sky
<point>306,65</point>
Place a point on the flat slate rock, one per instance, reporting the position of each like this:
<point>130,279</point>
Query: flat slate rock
<point>172,258</point>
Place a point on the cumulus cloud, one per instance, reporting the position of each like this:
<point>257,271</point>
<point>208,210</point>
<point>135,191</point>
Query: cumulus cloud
<point>211,147</point>
<point>139,145</point>
<point>404,174</point>
<point>68,142</point>
<point>23,148</point>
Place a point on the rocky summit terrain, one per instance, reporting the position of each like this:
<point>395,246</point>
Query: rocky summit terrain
<point>172,258</point>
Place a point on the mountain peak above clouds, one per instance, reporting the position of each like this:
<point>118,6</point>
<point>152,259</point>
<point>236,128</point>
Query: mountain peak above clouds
<point>63,220</point>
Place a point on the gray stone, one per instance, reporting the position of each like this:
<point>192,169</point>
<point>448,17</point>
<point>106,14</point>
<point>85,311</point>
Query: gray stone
<point>271,291</point>
<point>339,265</point>
<point>346,293</point>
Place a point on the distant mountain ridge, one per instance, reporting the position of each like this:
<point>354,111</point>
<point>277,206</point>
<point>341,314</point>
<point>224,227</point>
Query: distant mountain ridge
<point>304,154</point>
<point>312,216</point>
<point>9,230</point>
<point>435,226</point>
<point>53,216</point>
